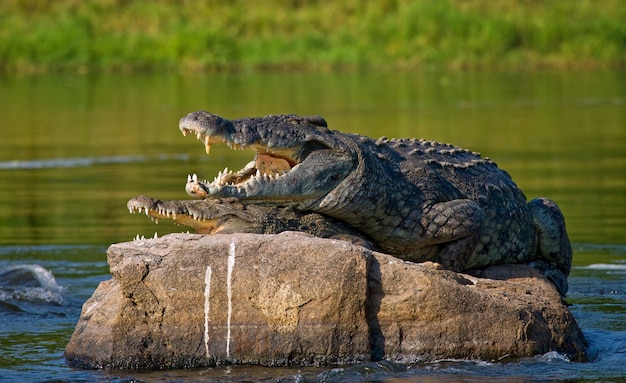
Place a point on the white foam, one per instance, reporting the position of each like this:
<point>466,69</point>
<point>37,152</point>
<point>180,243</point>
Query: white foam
<point>36,284</point>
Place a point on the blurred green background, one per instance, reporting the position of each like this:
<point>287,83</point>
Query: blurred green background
<point>91,92</point>
<point>214,35</point>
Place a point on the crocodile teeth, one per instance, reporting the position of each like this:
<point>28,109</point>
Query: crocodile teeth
<point>194,178</point>
<point>233,146</point>
<point>155,235</point>
<point>249,165</point>
<point>207,144</point>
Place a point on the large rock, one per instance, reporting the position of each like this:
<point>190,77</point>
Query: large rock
<point>188,300</point>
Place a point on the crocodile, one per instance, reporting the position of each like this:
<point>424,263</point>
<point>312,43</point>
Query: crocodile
<point>227,216</point>
<point>418,200</point>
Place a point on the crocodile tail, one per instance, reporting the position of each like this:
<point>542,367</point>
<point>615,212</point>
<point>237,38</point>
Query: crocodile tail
<point>554,246</point>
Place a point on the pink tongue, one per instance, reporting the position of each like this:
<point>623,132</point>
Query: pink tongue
<point>271,165</point>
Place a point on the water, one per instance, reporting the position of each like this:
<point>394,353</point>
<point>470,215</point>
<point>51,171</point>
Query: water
<point>74,149</point>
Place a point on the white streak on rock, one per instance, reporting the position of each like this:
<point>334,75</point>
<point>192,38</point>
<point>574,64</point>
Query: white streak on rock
<point>231,265</point>
<point>207,292</point>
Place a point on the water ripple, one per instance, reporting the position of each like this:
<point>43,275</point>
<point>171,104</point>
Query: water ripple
<point>604,266</point>
<point>75,162</point>
<point>609,248</point>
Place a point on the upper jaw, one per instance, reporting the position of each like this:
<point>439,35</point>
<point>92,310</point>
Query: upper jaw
<point>207,139</point>
<point>211,129</point>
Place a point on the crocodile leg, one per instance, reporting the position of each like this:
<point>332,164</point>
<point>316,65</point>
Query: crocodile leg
<point>451,233</point>
<point>554,248</point>
<point>554,244</point>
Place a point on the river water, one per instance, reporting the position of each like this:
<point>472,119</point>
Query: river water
<point>74,149</point>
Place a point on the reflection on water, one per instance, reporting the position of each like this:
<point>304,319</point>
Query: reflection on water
<point>74,149</point>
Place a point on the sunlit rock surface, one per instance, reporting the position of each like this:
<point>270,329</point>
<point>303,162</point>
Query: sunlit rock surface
<point>188,300</point>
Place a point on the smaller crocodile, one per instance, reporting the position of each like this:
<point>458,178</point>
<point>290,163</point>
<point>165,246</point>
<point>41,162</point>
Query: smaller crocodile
<point>227,216</point>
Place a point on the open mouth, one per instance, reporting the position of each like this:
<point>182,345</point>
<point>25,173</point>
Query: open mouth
<point>184,213</point>
<point>268,164</point>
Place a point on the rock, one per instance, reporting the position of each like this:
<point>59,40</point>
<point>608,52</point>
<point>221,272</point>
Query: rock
<point>420,312</point>
<point>188,300</point>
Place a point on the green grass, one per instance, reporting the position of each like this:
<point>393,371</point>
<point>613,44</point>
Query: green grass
<point>117,35</point>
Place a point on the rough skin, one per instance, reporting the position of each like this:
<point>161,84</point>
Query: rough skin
<point>418,200</point>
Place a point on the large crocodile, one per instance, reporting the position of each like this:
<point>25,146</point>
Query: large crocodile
<point>418,200</point>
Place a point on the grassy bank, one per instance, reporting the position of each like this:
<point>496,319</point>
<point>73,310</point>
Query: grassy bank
<point>110,35</point>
